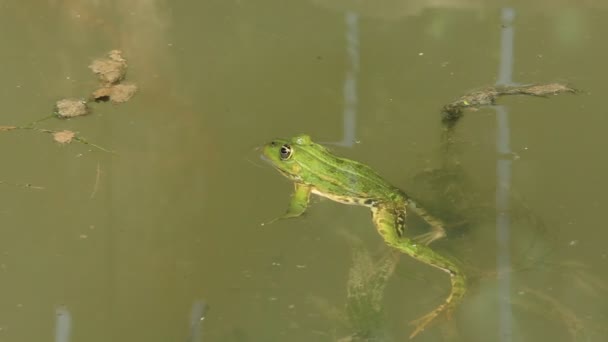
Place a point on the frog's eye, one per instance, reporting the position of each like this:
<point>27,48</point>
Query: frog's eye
<point>285,152</point>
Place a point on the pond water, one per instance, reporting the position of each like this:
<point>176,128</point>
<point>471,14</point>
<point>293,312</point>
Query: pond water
<point>162,240</point>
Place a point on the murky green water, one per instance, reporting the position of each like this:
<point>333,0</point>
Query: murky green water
<point>138,246</point>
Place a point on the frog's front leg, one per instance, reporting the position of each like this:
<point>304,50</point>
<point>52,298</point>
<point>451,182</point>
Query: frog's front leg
<point>299,201</point>
<point>297,204</point>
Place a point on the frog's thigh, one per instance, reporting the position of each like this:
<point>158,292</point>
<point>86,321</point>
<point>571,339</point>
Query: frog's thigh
<point>386,222</point>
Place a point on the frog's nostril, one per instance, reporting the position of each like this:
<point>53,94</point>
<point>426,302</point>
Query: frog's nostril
<point>272,143</point>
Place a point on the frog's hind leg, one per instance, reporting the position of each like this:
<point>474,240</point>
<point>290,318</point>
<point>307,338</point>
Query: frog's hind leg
<point>437,226</point>
<point>386,222</point>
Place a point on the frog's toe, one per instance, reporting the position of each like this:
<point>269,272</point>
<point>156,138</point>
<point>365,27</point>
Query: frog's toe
<point>422,323</point>
<point>429,237</point>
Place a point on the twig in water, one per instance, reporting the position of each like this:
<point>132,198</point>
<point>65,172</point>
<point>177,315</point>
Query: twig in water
<point>97,178</point>
<point>48,131</point>
<point>26,185</point>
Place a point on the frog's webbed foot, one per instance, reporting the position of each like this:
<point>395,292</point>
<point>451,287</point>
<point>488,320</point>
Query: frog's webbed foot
<point>427,238</point>
<point>289,214</point>
<point>436,225</point>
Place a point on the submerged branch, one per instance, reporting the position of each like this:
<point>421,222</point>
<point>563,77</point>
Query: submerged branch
<point>62,137</point>
<point>22,185</point>
<point>488,96</point>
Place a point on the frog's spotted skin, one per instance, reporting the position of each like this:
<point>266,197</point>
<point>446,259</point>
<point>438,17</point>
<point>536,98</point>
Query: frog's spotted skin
<point>313,169</point>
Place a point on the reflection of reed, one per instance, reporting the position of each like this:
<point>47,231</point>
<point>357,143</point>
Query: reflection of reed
<point>351,99</point>
<point>197,315</point>
<point>63,324</point>
<point>503,177</point>
<point>350,83</point>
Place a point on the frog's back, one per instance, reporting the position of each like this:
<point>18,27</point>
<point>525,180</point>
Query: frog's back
<point>348,181</point>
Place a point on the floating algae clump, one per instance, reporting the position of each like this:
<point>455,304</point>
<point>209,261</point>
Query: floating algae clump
<point>64,137</point>
<point>69,108</point>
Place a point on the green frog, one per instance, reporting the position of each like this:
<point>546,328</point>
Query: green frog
<point>315,170</point>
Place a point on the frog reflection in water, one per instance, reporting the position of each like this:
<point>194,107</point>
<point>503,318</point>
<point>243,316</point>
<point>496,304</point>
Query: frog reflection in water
<point>314,169</point>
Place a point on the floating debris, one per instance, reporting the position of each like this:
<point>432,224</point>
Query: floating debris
<point>69,108</point>
<point>64,137</point>
<point>7,128</point>
<point>118,93</point>
<point>487,97</point>
<point>110,70</point>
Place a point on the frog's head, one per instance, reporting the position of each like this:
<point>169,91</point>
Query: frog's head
<point>288,155</point>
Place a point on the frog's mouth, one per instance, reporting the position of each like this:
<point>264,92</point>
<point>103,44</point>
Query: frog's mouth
<point>265,158</point>
<point>269,161</point>
<point>281,171</point>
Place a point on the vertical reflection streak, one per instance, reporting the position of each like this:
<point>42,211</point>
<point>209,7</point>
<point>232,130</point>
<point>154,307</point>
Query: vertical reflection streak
<point>63,324</point>
<point>197,315</point>
<point>350,82</point>
<point>503,180</point>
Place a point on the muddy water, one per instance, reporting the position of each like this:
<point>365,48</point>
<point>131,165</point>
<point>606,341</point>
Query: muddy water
<point>162,240</point>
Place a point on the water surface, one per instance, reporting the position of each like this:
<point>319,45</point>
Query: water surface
<point>138,245</point>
